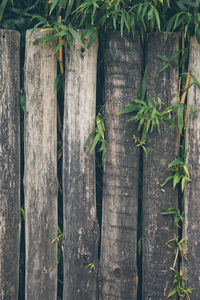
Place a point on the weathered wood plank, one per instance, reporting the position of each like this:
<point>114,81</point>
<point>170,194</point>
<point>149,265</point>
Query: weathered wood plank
<point>157,228</point>
<point>79,183</point>
<point>9,164</point>
<point>40,174</point>
<point>192,189</point>
<point>123,63</point>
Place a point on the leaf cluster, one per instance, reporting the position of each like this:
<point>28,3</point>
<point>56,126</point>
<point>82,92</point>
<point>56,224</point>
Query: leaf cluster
<point>98,134</point>
<point>178,216</point>
<point>179,282</point>
<point>147,113</point>
<point>180,173</point>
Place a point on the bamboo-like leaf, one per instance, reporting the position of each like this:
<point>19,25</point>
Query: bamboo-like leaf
<point>96,140</point>
<point>176,162</point>
<point>173,292</point>
<point>196,82</point>
<point>68,10</point>
<point>58,46</point>
<point>2,8</point>
<point>88,139</point>
<point>180,113</point>
<point>75,35</point>
<point>166,180</point>
<point>53,5</point>
<point>122,24</point>
<point>166,59</point>
<point>164,67</point>
<point>130,108</point>
<point>100,129</point>
<point>176,179</point>
<point>157,17</point>
<point>145,151</point>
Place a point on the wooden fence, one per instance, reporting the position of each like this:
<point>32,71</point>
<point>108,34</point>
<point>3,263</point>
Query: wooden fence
<point>124,168</point>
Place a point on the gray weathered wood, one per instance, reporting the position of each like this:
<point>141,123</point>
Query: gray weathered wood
<point>79,183</point>
<point>40,174</point>
<point>157,228</point>
<point>9,164</point>
<point>192,189</point>
<point>123,60</point>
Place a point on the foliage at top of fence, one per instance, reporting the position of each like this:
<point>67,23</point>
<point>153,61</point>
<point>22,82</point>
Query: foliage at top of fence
<point>125,16</point>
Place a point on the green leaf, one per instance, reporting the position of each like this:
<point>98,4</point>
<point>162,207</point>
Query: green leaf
<point>176,162</point>
<point>164,67</point>
<point>75,35</point>
<point>180,113</point>
<point>122,24</point>
<point>58,46</point>
<point>23,100</point>
<point>130,108</point>
<point>53,5</point>
<point>198,35</point>
<point>92,38</point>
<point>173,292</point>
<point>99,126</point>
<point>2,8</point>
<point>166,180</point>
<point>145,151</point>
<point>166,59</point>
<point>196,82</point>
<point>96,140</point>
<point>69,8</point>
<point>88,139</point>
<point>186,170</point>
<point>182,184</point>
<point>191,112</point>
<point>157,17</point>
<point>176,179</point>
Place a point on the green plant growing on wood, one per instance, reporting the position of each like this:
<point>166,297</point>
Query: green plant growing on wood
<point>59,237</point>
<point>180,173</point>
<point>179,282</point>
<point>98,134</point>
<point>178,216</point>
<point>148,114</point>
<point>22,213</point>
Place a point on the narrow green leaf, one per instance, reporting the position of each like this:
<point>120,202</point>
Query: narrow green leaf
<point>176,179</point>
<point>176,162</point>
<point>130,108</point>
<point>96,140</point>
<point>164,67</point>
<point>196,82</point>
<point>157,17</point>
<point>122,24</point>
<point>180,114</point>
<point>88,139</point>
<point>166,180</point>
<point>173,292</point>
<point>166,59</point>
<point>53,5</point>
<point>2,8</point>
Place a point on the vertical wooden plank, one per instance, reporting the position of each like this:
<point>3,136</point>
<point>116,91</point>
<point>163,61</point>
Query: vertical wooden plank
<point>192,189</point>
<point>9,163</point>
<point>40,174</point>
<point>157,228</point>
<point>79,182</point>
<point>121,167</point>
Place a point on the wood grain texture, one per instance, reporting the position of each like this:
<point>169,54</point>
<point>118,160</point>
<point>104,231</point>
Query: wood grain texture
<point>9,164</point>
<point>79,180</point>
<point>157,228</point>
<point>191,266</point>
<point>123,60</point>
<point>40,174</point>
